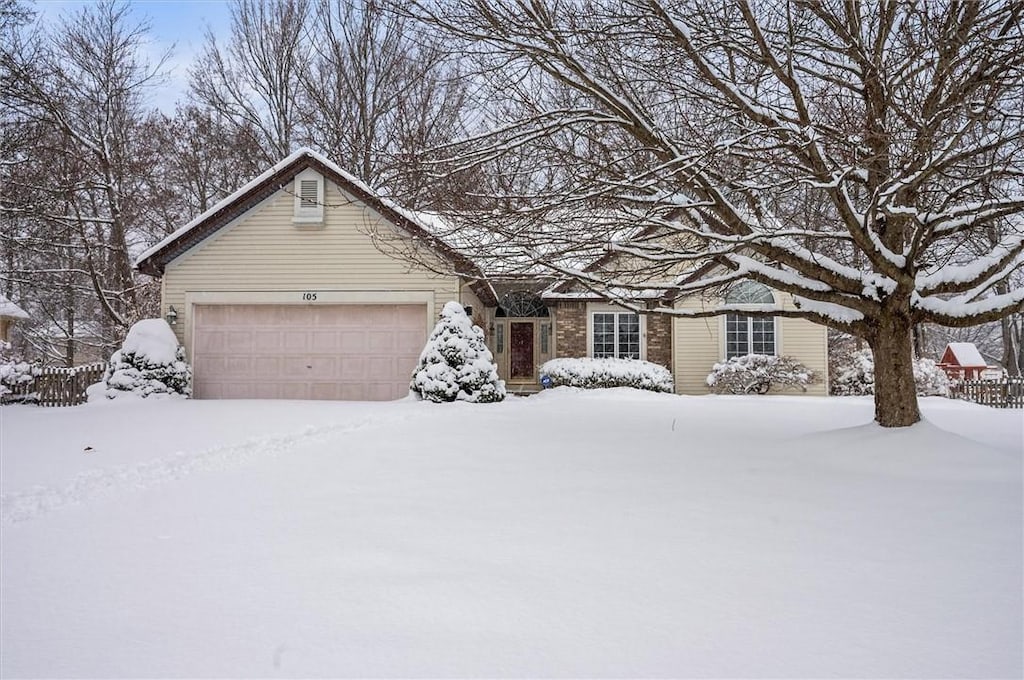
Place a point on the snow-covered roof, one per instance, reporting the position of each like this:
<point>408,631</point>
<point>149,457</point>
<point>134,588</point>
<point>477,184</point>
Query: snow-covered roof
<point>966,354</point>
<point>561,240</point>
<point>11,310</point>
<point>476,241</point>
<point>419,226</point>
<point>263,181</point>
<point>268,174</point>
<point>483,245</point>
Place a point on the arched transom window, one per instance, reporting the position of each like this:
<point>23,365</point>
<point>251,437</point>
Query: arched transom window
<point>746,334</point>
<point>521,303</point>
<point>749,293</point>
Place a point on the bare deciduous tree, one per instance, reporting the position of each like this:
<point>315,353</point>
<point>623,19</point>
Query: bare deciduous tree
<point>202,158</point>
<point>379,89</point>
<point>254,79</point>
<point>840,152</point>
<point>72,187</point>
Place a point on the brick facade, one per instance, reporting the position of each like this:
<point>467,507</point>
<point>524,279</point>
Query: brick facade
<point>571,333</point>
<point>570,329</point>
<point>659,339</point>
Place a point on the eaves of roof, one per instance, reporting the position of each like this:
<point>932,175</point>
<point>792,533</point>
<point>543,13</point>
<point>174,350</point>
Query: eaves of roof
<point>154,260</point>
<point>9,310</point>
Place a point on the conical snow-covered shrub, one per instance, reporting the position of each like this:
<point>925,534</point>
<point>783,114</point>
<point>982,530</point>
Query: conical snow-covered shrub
<point>456,365</point>
<point>150,362</point>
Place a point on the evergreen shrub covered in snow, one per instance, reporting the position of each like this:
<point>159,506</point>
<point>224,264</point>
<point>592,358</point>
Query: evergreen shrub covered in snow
<point>856,377</point>
<point>590,373</point>
<point>455,364</point>
<point>15,373</point>
<point>758,373</point>
<point>150,362</point>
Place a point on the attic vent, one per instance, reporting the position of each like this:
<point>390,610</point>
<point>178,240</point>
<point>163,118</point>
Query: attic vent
<point>309,199</point>
<point>308,193</point>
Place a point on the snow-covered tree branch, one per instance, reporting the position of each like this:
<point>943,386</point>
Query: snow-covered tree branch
<point>840,152</point>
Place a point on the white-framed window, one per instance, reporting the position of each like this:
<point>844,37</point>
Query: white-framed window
<point>309,197</point>
<point>746,334</point>
<point>749,335</point>
<point>615,333</point>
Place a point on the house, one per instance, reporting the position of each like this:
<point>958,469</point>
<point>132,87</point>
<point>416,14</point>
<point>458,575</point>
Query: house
<point>286,290</point>
<point>963,361</point>
<point>9,314</point>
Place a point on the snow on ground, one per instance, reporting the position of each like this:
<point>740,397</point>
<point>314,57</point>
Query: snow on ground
<point>605,533</point>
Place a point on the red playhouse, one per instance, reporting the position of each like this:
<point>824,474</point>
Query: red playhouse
<point>962,361</point>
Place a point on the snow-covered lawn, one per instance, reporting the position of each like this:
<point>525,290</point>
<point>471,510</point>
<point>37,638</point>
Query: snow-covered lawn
<point>614,533</point>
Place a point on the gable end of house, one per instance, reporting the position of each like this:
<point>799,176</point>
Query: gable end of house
<point>282,177</point>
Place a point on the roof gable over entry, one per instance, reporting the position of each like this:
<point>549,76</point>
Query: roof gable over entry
<point>280,176</point>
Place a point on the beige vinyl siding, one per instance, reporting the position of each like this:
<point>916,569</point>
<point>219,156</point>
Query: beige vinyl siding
<point>264,252</point>
<point>695,348</point>
<point>807,342</point>
<point>699,345</point>
<point>469,299</point>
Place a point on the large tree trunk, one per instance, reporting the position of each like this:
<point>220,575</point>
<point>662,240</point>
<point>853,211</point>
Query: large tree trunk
<point>895,391</point>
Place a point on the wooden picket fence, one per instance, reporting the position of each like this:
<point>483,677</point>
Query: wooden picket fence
<point>58,385</point>
<point>1006,393</point>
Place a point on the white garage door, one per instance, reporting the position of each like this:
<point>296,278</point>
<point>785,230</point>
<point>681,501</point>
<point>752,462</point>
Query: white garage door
<point>363,352</point>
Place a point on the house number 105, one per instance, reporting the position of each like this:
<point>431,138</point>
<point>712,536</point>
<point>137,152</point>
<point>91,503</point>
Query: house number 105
<point>309,297</point>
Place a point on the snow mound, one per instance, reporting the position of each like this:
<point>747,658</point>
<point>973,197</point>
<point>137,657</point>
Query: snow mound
<point>455,364</point>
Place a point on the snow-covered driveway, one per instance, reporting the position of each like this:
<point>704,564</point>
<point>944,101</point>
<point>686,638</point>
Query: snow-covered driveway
<point>607,533</point>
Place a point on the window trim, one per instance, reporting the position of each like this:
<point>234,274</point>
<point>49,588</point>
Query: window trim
<point>596,308</point>
<point>740,309</point>
<point>750,333</point>
<point>306,215</point>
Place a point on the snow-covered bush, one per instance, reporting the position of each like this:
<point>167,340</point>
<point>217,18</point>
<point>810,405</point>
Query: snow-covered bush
<point>758,373</point>
<point>150,362</point>
<point>931,380</point>
<point>849,369</point>
<point>591,373</point>
<point>455,364</point>
<point>856,377</point>
<point>14,374</point>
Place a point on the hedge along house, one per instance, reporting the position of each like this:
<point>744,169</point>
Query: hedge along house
<point>294,287</point>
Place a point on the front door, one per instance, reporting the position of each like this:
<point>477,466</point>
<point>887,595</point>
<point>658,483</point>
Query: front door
<point>521,360</point>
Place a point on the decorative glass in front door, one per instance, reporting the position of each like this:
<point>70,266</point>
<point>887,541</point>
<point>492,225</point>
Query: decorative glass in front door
<point>521,350</point>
